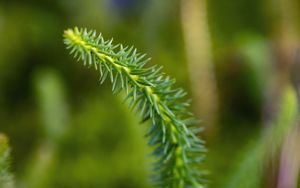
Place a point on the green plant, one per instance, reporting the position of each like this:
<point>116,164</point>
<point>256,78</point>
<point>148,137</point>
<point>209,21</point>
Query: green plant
<point>249,170</point>
<point>6,178</point>
<point>173,129</point>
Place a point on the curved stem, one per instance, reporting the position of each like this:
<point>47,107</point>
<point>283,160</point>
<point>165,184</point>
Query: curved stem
<point>171,134</point>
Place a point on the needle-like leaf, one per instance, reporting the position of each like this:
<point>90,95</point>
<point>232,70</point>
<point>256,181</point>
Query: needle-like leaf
<point>173,138</point>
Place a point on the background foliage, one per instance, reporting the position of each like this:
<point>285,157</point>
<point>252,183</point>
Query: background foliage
<point>70,132</point>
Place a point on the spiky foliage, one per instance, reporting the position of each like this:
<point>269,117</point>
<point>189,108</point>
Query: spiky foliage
<point>173,129</point>
<point>6,178</point>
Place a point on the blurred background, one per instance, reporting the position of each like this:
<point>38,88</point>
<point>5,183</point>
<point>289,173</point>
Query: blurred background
<point>238,59</point>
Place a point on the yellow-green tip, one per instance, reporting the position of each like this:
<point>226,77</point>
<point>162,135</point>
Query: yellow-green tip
<point>68,32</point>
<point>74,36</point>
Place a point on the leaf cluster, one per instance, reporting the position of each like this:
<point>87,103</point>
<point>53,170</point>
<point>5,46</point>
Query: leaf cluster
<point>173,131</point>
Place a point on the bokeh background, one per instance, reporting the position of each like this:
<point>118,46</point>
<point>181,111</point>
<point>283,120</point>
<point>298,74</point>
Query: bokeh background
<point>238,59</point>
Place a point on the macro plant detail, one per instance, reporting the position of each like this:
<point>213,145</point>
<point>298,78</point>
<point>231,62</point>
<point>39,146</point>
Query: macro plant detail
<point>173,130</point>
